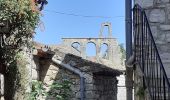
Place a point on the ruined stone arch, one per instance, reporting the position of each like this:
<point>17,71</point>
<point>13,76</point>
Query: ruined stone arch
<point>91,49</point>
<point>104,50</point>
<point>76,45</point>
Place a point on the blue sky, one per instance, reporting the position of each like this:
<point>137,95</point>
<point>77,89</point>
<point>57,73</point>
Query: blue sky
<point>63,25</point>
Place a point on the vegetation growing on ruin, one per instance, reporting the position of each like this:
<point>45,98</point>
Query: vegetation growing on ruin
<point>123,52</point>
<point>140,92</point>
<point>58,90</point>
<point>17,24</point>
<point>61,91</point>
<point>38,91</point>
<point>21,22</point>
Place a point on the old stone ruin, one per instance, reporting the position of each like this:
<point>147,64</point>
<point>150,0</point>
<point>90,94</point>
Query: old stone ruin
<point>92,78</point>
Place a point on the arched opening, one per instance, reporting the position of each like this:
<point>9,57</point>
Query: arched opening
<point>105,31</point>
<point>91,49</point>
<point>76,46</point>
<point>104,51</point>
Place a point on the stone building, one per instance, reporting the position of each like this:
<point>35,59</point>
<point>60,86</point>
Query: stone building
<point>93,77</point>
<point>158,15</point>
<point>91,80</point>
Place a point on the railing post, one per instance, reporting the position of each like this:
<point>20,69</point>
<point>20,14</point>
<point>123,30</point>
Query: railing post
<point>129,71</point>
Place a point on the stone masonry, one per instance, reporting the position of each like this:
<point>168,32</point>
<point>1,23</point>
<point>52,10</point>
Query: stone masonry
<point>99,71</point>
<point>100,80</point>
<point>158,13</point>
<point>112,55</point>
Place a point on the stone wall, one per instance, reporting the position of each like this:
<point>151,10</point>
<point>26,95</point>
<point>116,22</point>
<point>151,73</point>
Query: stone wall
<point>50,73</point>
<point>44,70</point>
<point>97,87</point>
<point>17,80</point>
<point>105,88</point>
<point>158,13</point>
<point>112,53</point>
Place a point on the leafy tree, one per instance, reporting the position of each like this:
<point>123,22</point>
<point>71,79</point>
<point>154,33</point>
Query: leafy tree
<point>20,22</point>
<point>123,51</point>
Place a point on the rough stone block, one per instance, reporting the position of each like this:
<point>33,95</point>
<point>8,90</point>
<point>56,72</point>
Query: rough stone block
<point>144,3</point>
<point>51,72</point>
<point>165,27</point>
<point>157,16</point>
<point>89,87</point>
<point>89,80</point>
<point>162,1</point>
<point>89,94</point>
<point>161,39</point>
<point>165,56</point>
<point>78,95</point>
<point>52,67</point>
<point>34,74</point>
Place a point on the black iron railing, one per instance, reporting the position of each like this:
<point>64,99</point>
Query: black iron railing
<point>148,59</point>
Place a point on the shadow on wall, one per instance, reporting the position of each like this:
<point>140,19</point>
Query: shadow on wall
<point>53,76</point>
<point>99,83</point>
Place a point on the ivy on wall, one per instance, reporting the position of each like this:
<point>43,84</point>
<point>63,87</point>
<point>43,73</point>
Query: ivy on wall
<point>21,22</point>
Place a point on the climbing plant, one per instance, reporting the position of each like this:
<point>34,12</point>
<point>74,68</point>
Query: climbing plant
<point>38,91</point>
<point>21,22</point>
<point>61,90</point>
<point>123,52</point>
<point>58,90</point>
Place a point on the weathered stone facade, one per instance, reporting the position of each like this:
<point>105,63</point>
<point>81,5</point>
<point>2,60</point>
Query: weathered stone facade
<point>100,80</point>
<point>99,71</point>
<point>158,14</point>
<point>50,65</point>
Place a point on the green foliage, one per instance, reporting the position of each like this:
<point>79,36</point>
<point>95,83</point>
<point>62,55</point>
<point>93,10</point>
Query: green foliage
<point>21,21</point>
<point>37,90</point>
<point>123,52</point>
<point>58,90</point>
<point>141,92</point>
<point>61,91</point>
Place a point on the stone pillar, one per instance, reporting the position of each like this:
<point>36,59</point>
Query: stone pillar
<point>97,51</point>
<point>18,78</point>
<point>110,53</point>
<point>83,50</point>
<point>35,68</point>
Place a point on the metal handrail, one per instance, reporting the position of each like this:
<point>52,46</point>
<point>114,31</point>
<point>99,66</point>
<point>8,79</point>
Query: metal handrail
<point>147,56</point>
